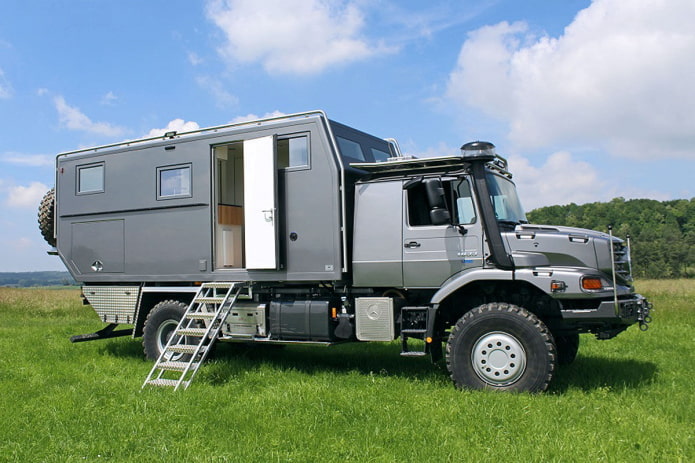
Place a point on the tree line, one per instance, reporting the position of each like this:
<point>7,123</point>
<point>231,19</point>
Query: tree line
<point>662,233</point>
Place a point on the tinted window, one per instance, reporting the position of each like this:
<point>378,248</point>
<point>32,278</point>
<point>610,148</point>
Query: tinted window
<point>380,156</point>
<point>350,149</point>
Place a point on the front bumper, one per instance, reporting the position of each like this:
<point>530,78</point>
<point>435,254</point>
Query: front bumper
<point>629,310</point>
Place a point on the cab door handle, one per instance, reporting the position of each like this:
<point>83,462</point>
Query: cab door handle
<point>412,244</point>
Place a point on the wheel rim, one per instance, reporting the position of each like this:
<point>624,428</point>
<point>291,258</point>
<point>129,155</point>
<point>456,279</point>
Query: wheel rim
<point>498,358</point>
<point>164,332</point>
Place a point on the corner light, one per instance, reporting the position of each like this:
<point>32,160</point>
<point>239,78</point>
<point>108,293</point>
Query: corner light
<point>592,283</point>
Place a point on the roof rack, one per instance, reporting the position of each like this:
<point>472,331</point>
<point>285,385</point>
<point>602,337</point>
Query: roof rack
<point>219,128</point>
<point>451,163</point>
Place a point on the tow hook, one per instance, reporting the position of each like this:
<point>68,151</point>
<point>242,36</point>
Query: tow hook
<point>644,315</point>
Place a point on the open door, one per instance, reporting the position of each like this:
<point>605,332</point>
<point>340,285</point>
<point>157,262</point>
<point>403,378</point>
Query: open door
<point>260,204</point>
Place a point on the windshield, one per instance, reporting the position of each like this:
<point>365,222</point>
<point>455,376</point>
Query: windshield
<point>505,200</point>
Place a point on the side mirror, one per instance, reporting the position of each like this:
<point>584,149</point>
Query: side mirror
<point>439,214</point>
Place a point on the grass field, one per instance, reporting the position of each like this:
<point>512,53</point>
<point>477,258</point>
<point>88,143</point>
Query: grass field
<point>627,399</point>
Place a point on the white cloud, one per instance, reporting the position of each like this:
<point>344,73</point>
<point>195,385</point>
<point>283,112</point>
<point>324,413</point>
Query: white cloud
<point>30,160</point>
<point>194,58</point>
<point>620,78</point>
<point>175,125</point>
<point>6,90</point>
<point>26,196</point>
<point>73,119</point>
<point>254,117</point>
<point>292,36</point>
<point>222,97</point>
<point>109,99</point>
<point>561,180</point>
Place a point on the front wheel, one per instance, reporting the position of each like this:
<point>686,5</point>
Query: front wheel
<point>502,347</point>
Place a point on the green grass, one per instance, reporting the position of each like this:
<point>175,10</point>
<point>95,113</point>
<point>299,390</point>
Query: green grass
<point>627,399</point>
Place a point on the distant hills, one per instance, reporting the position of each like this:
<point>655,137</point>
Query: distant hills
<point>29,279</point>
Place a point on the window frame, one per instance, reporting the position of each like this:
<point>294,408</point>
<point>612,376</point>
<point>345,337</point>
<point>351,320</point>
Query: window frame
<point>78,176</point>
<point>288,137</point>
<point>187,166</point>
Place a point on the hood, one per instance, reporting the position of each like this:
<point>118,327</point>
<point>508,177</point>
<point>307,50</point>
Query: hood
<point>539,245</point>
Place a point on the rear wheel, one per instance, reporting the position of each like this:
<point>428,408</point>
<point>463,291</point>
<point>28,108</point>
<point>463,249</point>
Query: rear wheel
<point>502,347</point>
<point>160,326</point>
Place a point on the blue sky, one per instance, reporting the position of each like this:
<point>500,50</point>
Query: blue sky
<point>589,100</point>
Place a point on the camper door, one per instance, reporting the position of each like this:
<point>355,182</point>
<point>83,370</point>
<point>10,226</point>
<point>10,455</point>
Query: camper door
<point>260,204</point>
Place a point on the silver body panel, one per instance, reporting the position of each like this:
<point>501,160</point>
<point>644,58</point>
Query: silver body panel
<point>113,304</point>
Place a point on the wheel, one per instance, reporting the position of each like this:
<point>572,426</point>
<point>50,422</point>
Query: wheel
<point>160,325</point>
<point>502,347</point>
<point>47,216</point>
<point>567,346</point>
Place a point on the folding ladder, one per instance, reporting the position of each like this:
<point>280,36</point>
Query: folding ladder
<point>195,335</point>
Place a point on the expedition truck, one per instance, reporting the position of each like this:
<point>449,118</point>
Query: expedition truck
<point>301,230</point>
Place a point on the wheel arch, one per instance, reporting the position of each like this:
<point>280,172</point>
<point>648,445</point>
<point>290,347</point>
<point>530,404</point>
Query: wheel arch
<point>150,299</point>
<point>469,290</point>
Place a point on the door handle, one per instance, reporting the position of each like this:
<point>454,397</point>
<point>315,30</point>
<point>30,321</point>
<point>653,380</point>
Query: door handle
<point>412,244</point>
<point>268,215</point>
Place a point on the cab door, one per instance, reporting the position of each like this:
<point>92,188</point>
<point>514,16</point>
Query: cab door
<point>260,204</point>
<point>432,253</point>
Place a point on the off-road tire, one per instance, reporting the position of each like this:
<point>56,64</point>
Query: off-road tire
<point>159,326</point>
<point>47,217</point>
<point>502,347</point>
<point>567,346</point>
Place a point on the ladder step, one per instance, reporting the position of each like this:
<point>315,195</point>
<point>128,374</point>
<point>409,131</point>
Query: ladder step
<point>218,285</point>
<point>210,300</point>
<point>185,348</point>
<point>198,332</point>
<point>166,382</point>
<point>176,366</point>
<point>413,331</point>
<point>201,315</point>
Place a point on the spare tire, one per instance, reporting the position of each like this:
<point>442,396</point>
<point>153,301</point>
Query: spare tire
<point>47,217</point>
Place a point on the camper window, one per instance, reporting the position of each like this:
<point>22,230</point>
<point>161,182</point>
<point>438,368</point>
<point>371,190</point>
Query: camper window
<point>174,182</point>
<point>350,149</point>
<point>380,156</point>
<point>90,178</point>
<point>293,152</point>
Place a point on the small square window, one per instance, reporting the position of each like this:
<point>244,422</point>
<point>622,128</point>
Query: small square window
<point>174,182</point>
<point>293,152</point>
<point>90,179</point>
